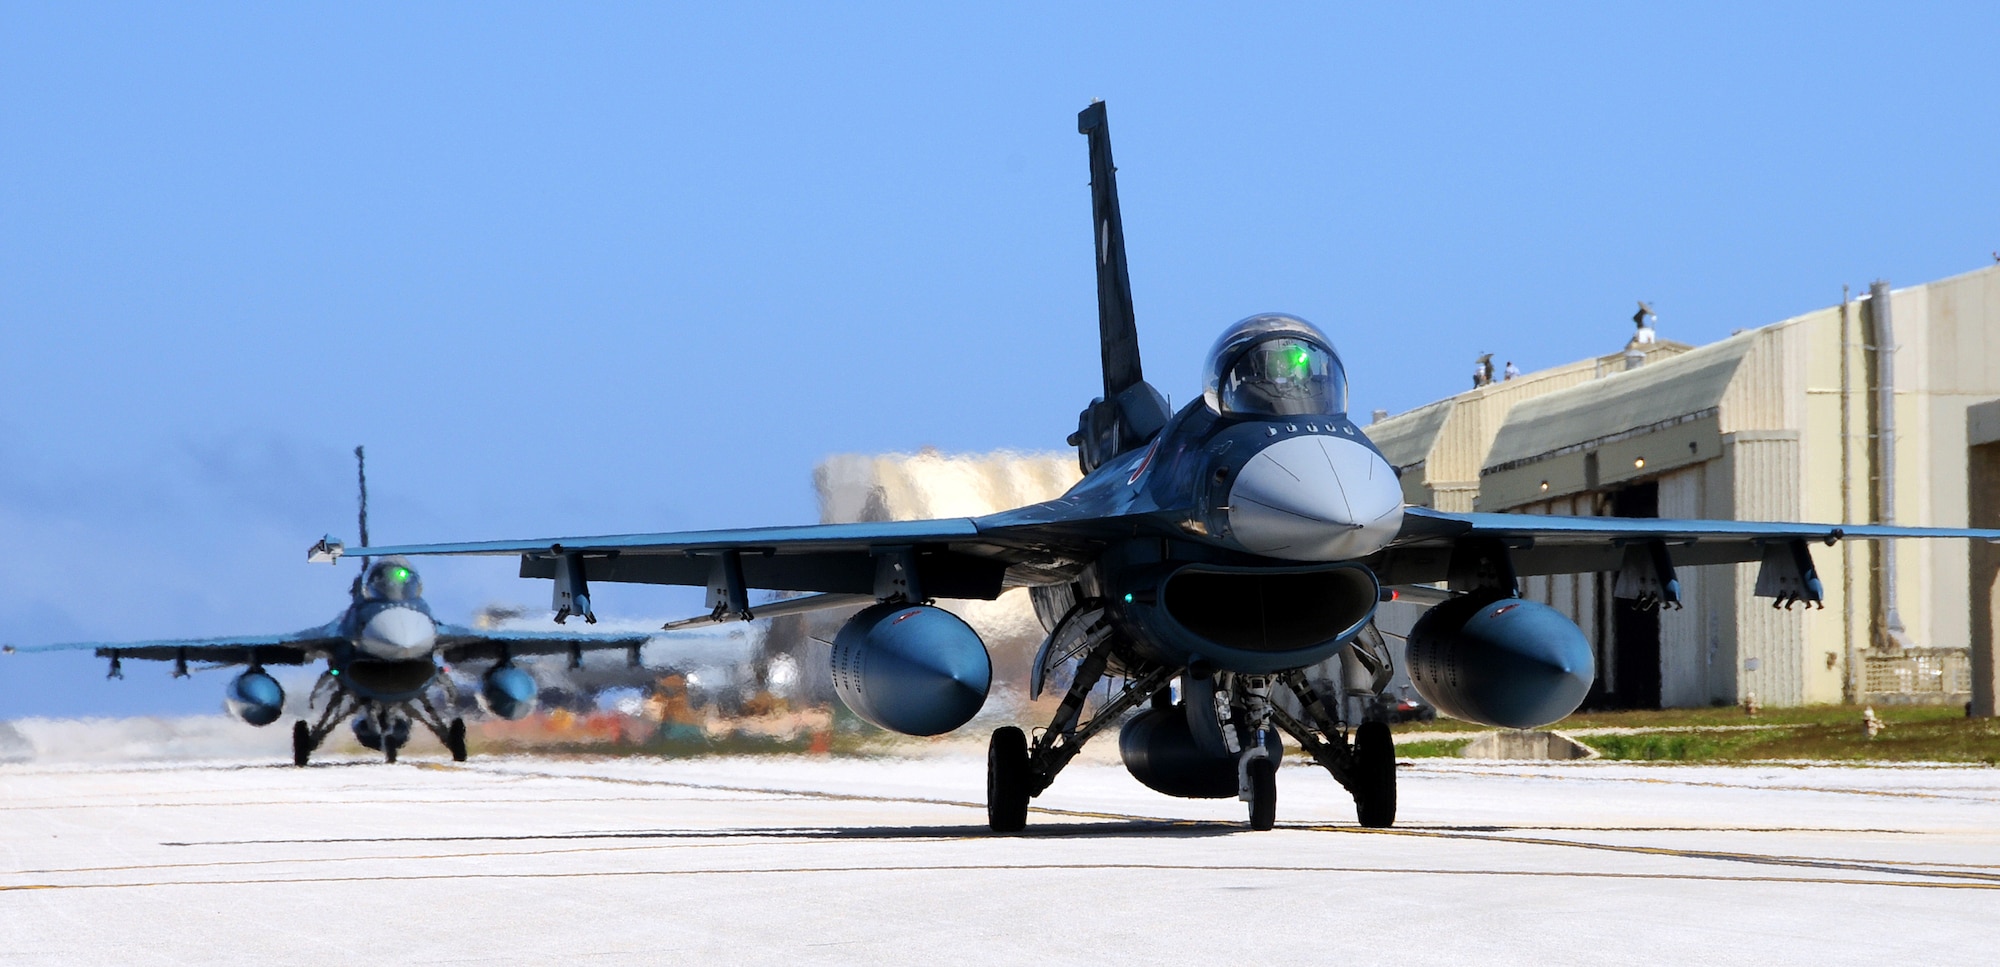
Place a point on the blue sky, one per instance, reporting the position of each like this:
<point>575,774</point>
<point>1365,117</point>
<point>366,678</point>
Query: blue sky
<point>638,267</point>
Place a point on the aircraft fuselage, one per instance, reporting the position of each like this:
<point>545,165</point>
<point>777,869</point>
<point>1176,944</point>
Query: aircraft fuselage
<point>1243,516</point>
<point>390,650</point>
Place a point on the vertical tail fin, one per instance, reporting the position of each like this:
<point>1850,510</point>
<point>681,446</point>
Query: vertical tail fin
<point>1117,331</point>
<point>1131,411</point>
<point>361,475</point>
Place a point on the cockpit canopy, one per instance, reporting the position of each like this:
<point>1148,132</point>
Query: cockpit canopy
<point>1274,365</point>
<point>392,579</point>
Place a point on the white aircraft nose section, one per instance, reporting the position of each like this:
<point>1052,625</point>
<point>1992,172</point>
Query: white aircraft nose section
<point>1315,498</point>
<point>399,634</point>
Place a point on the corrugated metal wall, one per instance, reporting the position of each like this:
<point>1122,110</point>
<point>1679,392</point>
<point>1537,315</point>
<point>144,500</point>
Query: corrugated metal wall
<point>1763,474</point>
<point>1685,654</point>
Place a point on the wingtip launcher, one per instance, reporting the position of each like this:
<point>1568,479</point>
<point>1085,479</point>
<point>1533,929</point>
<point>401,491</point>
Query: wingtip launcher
<point>327,551</point>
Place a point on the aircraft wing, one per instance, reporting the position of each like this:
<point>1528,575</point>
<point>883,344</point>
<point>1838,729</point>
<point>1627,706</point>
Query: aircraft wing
<point>1552,544</point>
<point>457,643</point>
<point>296,648</point>
<point>956,557</point>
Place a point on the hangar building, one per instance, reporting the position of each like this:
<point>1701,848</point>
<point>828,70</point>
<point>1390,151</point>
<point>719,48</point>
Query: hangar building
<point>1784,422</point>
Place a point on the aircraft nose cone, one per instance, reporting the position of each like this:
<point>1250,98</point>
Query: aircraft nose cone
<point>398,634</point>
<point>1315,498</point>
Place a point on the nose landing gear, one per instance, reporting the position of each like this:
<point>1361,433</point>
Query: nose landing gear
<point>383,729</point>
<point>1263,793</point>
<point>1257,775</point>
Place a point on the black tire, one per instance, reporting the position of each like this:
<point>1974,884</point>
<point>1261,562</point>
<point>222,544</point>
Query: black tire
<point>454,740</point>
<point>302,744</point>
<point>1263,794</point>
<point>1007,780</point>
<point>389,751</point>
<point>1375,776</point>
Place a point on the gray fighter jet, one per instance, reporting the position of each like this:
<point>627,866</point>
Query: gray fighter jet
<point>382,658</point>
<point>1206,561</point>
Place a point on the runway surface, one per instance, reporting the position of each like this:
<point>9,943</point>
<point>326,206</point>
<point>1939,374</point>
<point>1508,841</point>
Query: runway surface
<point>887,862</point>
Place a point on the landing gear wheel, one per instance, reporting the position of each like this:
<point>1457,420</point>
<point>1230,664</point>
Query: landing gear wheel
<point>1007,780</point>
<point>1263,794</point>
<point>454,740</point>
<point>302,743</point>
<point>389,750</point>
<point>1375,776</point>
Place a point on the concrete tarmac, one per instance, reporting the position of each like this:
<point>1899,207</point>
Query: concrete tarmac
<point>887,862</point>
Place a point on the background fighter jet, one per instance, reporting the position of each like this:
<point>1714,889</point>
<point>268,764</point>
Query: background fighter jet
<point>382,656</point>
<point>1228,547</point>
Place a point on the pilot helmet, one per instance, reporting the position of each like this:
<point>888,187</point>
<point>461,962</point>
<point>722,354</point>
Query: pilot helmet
<point>392,579</point>
<point>1274,365</point>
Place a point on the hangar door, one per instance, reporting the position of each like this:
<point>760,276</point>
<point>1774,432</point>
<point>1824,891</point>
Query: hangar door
<point>1983,477</point>
<point>1628,661</point>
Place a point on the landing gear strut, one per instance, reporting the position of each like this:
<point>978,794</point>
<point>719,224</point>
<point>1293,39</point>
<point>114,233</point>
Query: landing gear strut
<point>382,727</point>
<point>1017,771</point>
<point>1257,772</point>
<point>306,738</point>
<point>1366,768</point>
<point>451,734</point>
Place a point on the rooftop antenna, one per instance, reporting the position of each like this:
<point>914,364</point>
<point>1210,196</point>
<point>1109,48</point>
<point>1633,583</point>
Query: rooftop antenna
<point>361,474</point>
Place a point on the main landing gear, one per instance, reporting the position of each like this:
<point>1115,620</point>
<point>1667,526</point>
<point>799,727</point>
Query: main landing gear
<point>1009,775</point>
<point>1017,770</point>
<point>454,740</point>
<point>1374,784</point>
<point>1366,767</point>
<point>450,734</point>
<point>1364,763</point>
<point>385,728</point>
<point>340,704</point>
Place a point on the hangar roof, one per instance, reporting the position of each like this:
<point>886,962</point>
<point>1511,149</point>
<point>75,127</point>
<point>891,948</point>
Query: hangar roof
<point>1406,438</point>
<point>1661,392</point>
